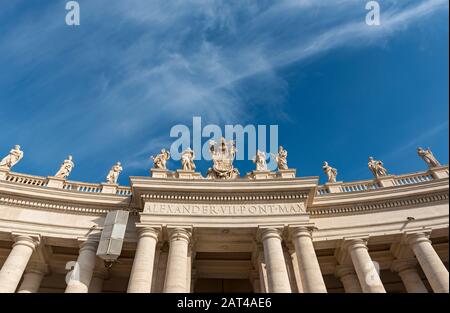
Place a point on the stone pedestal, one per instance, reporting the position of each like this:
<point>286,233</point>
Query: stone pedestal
<point>55,182</point>
<point>182,174</point>
<point>159,173</point>
<point>260,174</point>
<point>385,181</point>
<point>334,187</point>
<point>439,172</point>
<point>3,173</point>
<point>109,188</point>
<point>289,173</point>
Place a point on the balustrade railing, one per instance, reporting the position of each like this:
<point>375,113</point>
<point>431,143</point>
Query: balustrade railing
<point>26,179</point>
<point>412,179</point>
<point>82,187</point>
<point>359,186</point>
<point>400,180</point>
<point>123,191</point>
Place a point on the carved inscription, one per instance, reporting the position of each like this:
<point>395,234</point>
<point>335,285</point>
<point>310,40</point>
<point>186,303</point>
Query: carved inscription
<point>224,209</point>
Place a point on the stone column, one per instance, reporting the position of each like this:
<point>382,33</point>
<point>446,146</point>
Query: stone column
<point>407,270</point>
<point>80,278</point>
<point>32,278</point>
<point>278,279</point>
<point>368,276</point>
<point>142,270</point>
<point>160,274</point>
<point>260,266</point>
<point>101,273</point>
<point>310,273</point>
<point>430,262</point>
<point>96,285</point>
<point>17,261</point>
<point>177,263</point>
<point>348,278</point>
<point>298,276</point>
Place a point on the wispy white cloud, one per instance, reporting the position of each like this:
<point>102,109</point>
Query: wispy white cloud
<point>152,64</point>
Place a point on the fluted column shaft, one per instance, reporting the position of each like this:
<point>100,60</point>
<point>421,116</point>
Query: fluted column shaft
<point>365,269</point>
<point>177,262</point>
<point>310,273</point>
<point>430,262</point>
<point>349,279</point>
<point>81,275</point>
<point>142,271</point>
<point>277,276</point>
<point>15,264</point>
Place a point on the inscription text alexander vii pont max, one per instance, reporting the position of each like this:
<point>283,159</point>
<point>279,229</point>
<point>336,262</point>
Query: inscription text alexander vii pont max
<point>224,210</point>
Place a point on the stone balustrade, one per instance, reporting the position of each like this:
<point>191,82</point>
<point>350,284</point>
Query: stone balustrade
<point>328,188</point>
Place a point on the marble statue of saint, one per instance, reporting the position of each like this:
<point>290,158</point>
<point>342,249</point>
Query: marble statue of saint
<point>114,173</point>
<point>66,168</point>
<point>428,157</point>
<point>160,160</point>
<point>260,161</point>
<point>187,160</point>
<point>281,159</point>
<point>377,168</point>
<point>331,172</point>
<point>14,156</point>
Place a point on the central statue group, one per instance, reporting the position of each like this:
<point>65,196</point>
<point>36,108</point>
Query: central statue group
<point>222,155</point>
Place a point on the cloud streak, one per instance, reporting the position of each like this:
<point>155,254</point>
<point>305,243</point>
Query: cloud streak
<point>152,64</point>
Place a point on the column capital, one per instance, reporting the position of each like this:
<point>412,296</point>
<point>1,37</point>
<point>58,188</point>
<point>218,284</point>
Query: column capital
<point>179,233</point>
<point>347,244</point>
<point>350,243</point>
<point>401,265</point>
<point>344,270</point>
<point>301,230</point>
<point>29,240</point>
<point>413,238</point>
<point>266,232</point>
<point>88,244</point>
<point>152,231</point>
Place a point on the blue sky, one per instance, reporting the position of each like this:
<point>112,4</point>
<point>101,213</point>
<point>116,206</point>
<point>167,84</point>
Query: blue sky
<point>112,88</point>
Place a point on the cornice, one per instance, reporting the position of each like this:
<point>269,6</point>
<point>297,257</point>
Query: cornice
<point>223,198</point>
<point>379,205</point>
<point>59,207</point>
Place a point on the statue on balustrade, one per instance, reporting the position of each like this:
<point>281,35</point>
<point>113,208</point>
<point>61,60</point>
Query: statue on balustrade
<point>66,168</point>
<point>187,160</point>
<point>331,172</point>
<point>377,168</point>
<point>114,173</point>
<point>222,155</point>
<point>14,156</point>
<point>428,157</point>
<point>281,159</point>
<point>160,161</point>
<point>260,161</point>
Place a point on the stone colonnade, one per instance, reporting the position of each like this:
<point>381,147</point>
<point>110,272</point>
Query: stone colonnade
<point>357,275</point>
